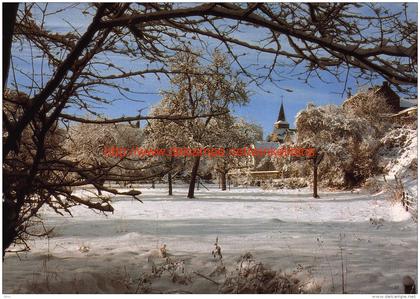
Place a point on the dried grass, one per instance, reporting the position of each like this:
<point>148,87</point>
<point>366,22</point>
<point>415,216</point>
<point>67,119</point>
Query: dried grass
<point>252,277</point>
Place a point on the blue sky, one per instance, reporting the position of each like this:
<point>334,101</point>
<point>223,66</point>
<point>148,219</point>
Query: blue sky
<point>263,106</point>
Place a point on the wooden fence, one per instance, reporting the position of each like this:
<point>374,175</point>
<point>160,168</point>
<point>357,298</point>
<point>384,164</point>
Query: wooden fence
<point>408,200</point>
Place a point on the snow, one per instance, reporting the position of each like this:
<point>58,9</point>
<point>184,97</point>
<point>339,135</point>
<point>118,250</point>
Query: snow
<point>401,159</point>
<point>407,153</point>
<point>284,229</point>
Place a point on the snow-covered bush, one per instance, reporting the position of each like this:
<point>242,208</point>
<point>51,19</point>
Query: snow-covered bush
<point>349,142</point>
<point>373,185</point>
<point>369,105</point>
<point>398,152</point>
<point>292,168</point>
<point>358,142</point>
<point>286,183</point>
<point>397,161</point>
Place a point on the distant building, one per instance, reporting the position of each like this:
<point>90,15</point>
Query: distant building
<point>261,168</point>
<point>258,162</point>
<point>281,131</point>
<point>281,134</point>
<point>392,99</point>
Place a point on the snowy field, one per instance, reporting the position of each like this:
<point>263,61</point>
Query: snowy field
<point>373,241</point>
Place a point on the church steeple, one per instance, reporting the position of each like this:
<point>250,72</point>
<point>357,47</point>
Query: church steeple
<point>281,127</point>
<point>281,116</point>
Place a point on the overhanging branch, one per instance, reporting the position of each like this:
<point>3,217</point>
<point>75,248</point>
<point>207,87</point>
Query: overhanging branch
<point>137,118</point>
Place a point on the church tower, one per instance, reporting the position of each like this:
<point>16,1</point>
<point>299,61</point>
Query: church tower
<point>281,127</point>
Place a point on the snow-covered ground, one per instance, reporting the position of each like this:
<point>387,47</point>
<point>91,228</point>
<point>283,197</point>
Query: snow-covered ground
<point>374,241</point>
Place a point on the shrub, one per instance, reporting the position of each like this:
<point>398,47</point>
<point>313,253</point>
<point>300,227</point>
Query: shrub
<point>349,142</point>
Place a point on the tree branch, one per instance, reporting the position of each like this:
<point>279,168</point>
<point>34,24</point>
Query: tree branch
<point>136,118</point>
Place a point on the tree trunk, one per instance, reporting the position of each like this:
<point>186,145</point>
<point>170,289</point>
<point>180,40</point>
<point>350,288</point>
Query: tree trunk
<point>9,20</point>
<point>194,172</point>
<point>223,179</point>
<point>10,209</point>
<point>317,159</point>
<point>170,165</point>
<point>101,184</point>
<point>10,217</point>
<point>315,195</point>
<point>169,183</point>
